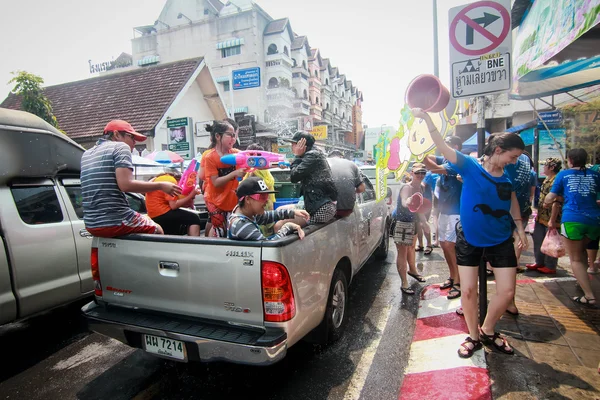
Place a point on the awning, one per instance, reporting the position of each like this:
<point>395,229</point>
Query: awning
<point>221,79</point>
<point>230,43</point>
<point>238,110</point>
<point>147,60</point>
<point>519,128</point>
<point>557,49</point>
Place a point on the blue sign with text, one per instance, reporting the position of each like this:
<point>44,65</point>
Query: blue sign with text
<point>246,78</point>
<point>552,119</point>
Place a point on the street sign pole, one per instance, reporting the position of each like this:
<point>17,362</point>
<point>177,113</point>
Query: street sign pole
<point>482,262</point>
<point>231,110</point>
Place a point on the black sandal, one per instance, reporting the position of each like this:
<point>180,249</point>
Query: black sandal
<point>448,284</point>
<point>454,293</point>
<point>428,250</point>
<point>466,351</point>
<point>585,301</point>
<point>503,347</point>
<point>489,272</point>
<point>407,290</point>
<point>419,248</point>
<point>417,277</point>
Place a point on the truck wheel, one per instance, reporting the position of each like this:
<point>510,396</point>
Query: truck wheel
<point>335,314</point>
<point>382,250</point>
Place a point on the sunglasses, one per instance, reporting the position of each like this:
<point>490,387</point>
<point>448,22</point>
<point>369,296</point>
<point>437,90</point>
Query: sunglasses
<point>258,197</point>
<point>420,173</point>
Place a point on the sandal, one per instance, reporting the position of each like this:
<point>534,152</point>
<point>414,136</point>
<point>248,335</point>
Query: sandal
<point>585,301</point>
<point>407,290</point>
<point>448,284</point>
<point>489,272</point>
<point>503,347</point>
<point>419,248</point>
<point>417,277</point>
<point>428,250</point>
<point>454,293</point>
<point>465,351</point>
<point>513,313</point>
<point>593,271</point>
<point>459,311</point>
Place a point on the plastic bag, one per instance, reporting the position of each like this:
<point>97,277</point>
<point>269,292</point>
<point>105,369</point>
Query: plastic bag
<point>552,244</point>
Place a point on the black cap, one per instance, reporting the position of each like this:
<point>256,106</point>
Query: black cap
<point>252,185</point>
<point>310,139</point>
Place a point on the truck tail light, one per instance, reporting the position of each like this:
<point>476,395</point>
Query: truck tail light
<point>96,273</point>
<point>278,295</point>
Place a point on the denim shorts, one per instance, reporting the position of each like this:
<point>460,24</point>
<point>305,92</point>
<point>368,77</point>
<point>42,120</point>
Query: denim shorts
<point>499,256</point>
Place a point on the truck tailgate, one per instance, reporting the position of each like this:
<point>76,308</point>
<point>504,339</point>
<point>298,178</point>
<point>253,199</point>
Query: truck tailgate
<point>190,278</point>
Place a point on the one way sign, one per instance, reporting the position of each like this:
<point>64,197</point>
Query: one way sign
<point>480,48</point>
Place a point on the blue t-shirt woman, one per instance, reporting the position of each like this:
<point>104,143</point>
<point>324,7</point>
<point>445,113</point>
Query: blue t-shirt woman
<point>488,206</point>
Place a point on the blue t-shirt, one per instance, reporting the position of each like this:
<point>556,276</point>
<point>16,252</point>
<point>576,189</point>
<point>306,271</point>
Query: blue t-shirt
<point>523,178</point>
<point>430,181</point>
<point>579,189</point>
<point>485,203</point>
<point>449,189</point>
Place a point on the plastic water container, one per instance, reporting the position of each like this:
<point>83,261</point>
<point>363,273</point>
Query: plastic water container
<point>427,92</point>
<point>284,201</point>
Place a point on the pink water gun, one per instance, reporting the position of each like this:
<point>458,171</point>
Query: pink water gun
<point>187,183</point>
<point>255,159</point>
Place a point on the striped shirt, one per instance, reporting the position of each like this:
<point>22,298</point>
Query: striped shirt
<point>244,228</point>
<point>104,205</point>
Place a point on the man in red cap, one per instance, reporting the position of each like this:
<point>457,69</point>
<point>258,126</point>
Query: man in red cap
<point>107,172</point>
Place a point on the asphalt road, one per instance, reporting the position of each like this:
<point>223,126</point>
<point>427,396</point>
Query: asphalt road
<point>54,357</point>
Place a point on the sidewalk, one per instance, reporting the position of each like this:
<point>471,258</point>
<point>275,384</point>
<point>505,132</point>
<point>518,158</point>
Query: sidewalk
<point>556,342</point>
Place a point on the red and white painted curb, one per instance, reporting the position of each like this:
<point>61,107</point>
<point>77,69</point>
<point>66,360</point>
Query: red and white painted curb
<point>435,371</point>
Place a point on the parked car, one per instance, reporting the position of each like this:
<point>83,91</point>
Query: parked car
<point>44,259</point>
<point>209,299</point>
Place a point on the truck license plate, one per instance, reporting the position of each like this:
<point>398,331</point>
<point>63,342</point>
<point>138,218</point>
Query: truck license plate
<point>165,347</point>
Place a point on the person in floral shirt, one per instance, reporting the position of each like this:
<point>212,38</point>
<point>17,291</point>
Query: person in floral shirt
<point>548,217</point>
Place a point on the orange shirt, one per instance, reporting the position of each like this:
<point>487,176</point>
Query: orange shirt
<point>223,197</point>
<point>157,202</point>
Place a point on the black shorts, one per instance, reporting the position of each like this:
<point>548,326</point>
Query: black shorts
<point>593,244</point>
<point>499,256</point>
<point>176,222</point>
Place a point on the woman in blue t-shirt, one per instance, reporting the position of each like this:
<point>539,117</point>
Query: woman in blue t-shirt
<point>580,221</point>
<point>488,211</point>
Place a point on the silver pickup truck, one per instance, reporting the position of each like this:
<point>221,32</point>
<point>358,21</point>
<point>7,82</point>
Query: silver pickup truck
<point>208,299</point>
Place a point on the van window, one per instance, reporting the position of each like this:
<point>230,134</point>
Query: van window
<point>76,199</point>
<point>369,193</point>
<point>37,204</point>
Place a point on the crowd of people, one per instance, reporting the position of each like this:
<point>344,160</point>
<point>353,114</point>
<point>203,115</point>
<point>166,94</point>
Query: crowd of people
<point>481,207</point>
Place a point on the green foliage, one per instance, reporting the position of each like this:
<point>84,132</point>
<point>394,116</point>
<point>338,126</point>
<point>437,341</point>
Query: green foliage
<point>582,122</point>
<point>29,88</point>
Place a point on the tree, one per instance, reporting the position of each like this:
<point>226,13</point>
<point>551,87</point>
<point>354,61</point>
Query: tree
<point>29,88</point>
<point>582,122</point>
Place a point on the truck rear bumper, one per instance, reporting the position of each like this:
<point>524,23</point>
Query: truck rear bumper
<point>204,341</point>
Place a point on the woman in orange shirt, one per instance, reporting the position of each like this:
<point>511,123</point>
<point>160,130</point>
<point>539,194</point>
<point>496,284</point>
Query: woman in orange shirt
<point>221,179</point>
<point>165,209</point>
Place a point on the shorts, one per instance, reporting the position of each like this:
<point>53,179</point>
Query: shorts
<point>404,233</point>
<point>218,219</point>
<point>138,224</point>
<point>176,222</point>
<point>325,213</point>
<point>499,256</point>
<point>577,231</point>
<point>447,227</point>
<point>594,244</point>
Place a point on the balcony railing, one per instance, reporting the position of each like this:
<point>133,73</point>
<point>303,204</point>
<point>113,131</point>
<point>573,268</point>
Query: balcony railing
<point>279,57</point>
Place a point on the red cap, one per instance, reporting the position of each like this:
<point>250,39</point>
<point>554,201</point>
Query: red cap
<point>123,126</point>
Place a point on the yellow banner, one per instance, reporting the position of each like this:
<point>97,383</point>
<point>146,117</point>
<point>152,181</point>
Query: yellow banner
<point>319,132</point>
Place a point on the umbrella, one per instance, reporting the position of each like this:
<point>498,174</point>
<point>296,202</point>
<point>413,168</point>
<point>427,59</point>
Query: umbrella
<point>165,157</point>
<point>142,161</point>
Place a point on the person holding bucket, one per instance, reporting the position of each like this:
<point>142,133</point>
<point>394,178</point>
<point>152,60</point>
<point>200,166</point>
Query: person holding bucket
<point>488,211</point>
<point>405,227</point>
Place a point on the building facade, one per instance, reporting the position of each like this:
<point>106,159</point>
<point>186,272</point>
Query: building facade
<point>297,90</point>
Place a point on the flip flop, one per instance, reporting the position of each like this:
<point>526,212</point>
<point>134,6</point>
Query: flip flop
<point>407,290</point>
<point>585,301</point>
<point>428,250</point>
<point>417,277</point>
<point>514,314</point>
<point>592,271</point>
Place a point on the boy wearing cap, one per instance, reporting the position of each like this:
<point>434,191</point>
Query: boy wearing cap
<point>107,172</point>
<point>247,217</point>
<point>311,169</point>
